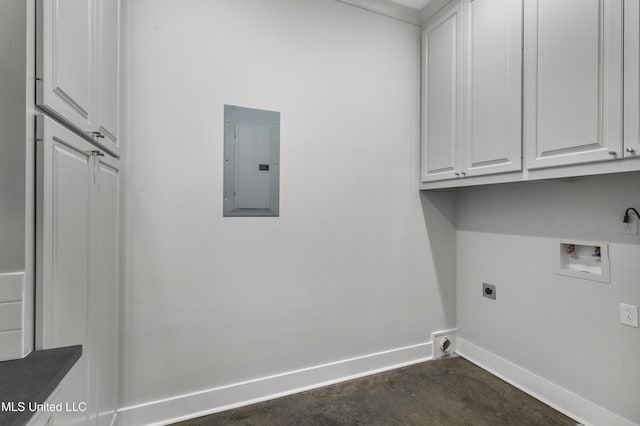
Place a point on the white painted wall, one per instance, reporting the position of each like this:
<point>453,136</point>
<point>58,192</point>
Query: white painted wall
<point>17,151</point>
<point>12,134</point>
<point>357,263</point>
<point>564,329</point>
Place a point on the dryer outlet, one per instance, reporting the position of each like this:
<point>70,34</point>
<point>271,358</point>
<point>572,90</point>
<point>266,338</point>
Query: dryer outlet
<point>444,343</point>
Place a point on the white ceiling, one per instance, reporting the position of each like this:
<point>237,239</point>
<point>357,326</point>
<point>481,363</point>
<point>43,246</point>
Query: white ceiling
<point>414,4</point>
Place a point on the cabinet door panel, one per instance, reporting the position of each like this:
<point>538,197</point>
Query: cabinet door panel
<point>573,81</point>
<point>103,293</point>
<point>493,80</point>
<point>64,60</point>
<point>632,78</point>
<point>62,269</point>
<point>108,29</point>
<point>441,97</point>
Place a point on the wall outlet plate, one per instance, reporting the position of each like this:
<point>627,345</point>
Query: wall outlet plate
<point>489,291</point>
<point>629,228</point>
<point>629,315</point>
<point>444,342</point>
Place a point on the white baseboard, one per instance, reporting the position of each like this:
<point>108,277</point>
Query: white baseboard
<point>196,404</point>
<point>563,400</point>
<point>13,339</point>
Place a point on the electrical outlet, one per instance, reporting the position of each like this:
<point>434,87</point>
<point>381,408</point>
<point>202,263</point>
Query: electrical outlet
<point>629,315</point>
<point>489,291</point>
<point>629,228</point>
<point>443,343</point>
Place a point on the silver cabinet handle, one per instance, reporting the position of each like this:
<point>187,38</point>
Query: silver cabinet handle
<point>630,150</point>
<point>614,153</point>
<point>97,135</point>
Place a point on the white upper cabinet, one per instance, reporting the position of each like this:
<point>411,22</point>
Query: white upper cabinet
<point>572,81</point>
<point>65,60</point>
<point>442,78</point>
<point>492,141</point>
<point>472,80</point>
<point>548,86</point>
<point>77,65</point>
<point>631,78</point>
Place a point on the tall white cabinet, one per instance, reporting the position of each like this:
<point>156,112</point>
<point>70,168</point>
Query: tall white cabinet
<point>77,266</point>
<point>573,81</point>
<point>77,198</point>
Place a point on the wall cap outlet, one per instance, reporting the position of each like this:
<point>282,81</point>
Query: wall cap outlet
<point>489,291</point>
<point>444,342</point>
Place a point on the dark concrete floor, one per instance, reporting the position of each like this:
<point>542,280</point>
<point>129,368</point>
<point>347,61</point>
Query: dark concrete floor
<point>448,391</point>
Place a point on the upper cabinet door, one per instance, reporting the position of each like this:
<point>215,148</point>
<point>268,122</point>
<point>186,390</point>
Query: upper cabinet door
<point>442,77</point>
<point>572,81</point>
<point>493,87</point>
<point>64,60</point>
<point>631,78</point>
<point>107,61</point>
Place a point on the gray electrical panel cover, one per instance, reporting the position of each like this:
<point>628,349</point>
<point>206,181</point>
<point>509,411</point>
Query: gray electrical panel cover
<point>251,162</point>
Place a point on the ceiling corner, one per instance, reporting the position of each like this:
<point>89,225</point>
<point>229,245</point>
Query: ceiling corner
<point>431,8</point>
<point>389,8</point>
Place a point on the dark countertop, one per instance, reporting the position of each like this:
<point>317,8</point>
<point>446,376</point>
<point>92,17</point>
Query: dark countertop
<point>33,379</point>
